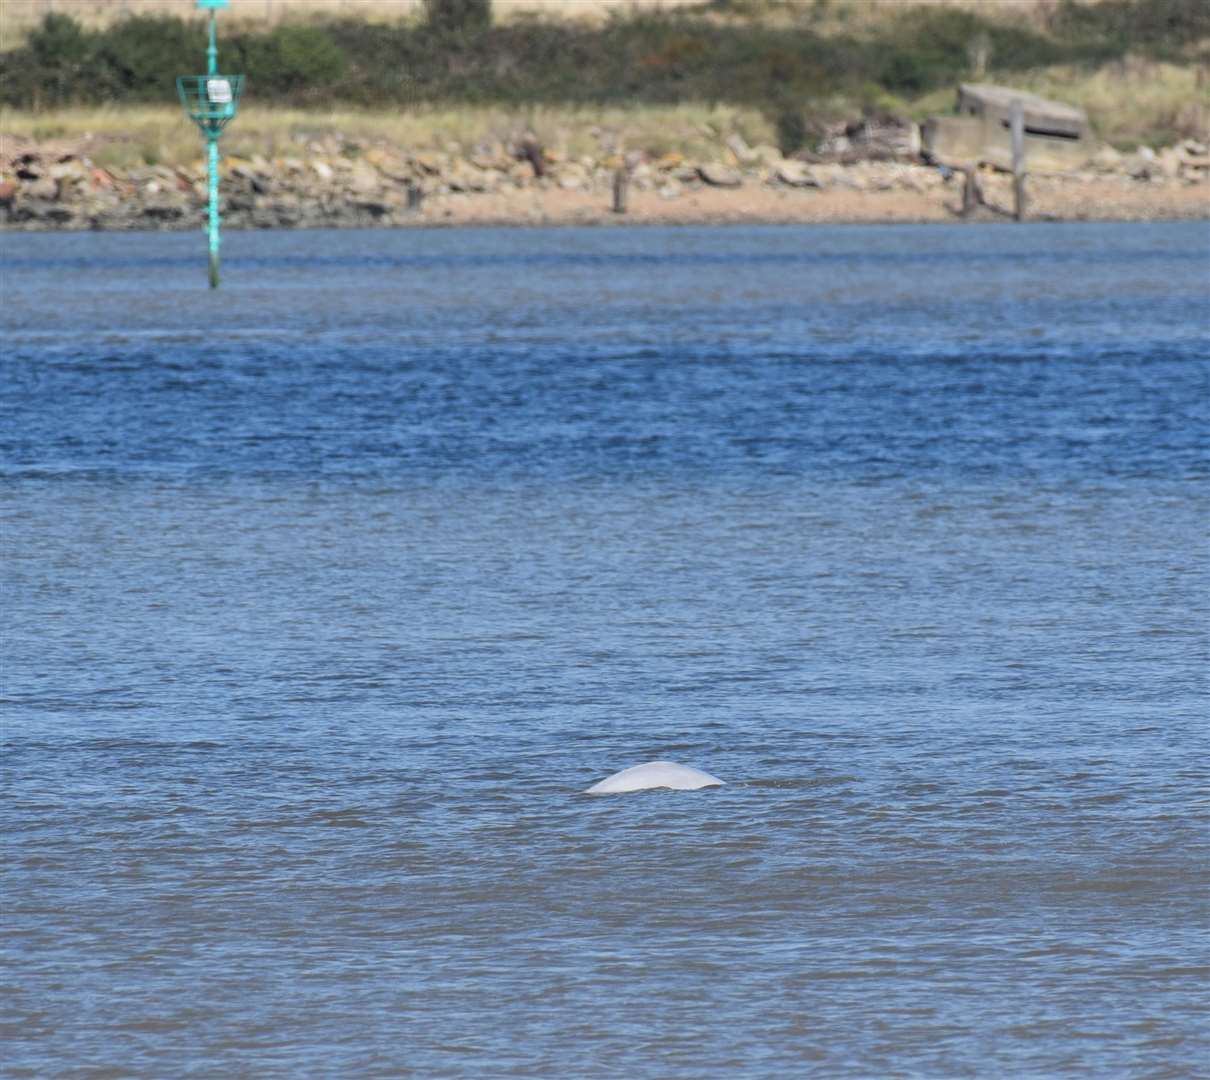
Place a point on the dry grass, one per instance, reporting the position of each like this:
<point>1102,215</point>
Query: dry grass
<point>17,17</point>
<point>17,14</point>
<point>117,138</point>
<point>161,135</point>
<point>860,16</point>
<point>1131,102</point>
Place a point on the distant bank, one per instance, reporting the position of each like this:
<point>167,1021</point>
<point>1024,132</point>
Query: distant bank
<point>332,183</point>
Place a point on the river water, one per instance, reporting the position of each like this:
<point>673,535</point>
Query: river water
<point>327,594</point>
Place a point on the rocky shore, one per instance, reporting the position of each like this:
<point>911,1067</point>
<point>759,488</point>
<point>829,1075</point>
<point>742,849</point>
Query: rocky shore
<point>335,182</point>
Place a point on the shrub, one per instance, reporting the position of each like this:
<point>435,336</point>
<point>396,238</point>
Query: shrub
<point>58,41</point>
<point>791,127</point>
<point>140,58</point>
<point>1160,27</point>
<point>58,52</point>
<point>649,58</point>
<point>291,59</point>
<point>458,16</point>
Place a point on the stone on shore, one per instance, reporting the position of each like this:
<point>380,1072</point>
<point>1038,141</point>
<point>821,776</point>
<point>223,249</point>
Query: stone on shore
<point>796,174</point>
<point>717,174</point>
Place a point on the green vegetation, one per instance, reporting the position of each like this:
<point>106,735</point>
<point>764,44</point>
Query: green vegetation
<point>1131,103</point>
<point>159,135</point>
<point>458,16</point>
<point>788,62</point>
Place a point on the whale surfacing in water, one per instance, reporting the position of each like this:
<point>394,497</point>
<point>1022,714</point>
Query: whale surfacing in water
<point>655,774</point>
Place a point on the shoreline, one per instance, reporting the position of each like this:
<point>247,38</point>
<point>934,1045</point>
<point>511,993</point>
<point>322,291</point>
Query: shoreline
<point>1096,202</point>
<point>56,188</point>
<point>1085,202</point>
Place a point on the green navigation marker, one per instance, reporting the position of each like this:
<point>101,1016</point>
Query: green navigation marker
<point>211,100</point>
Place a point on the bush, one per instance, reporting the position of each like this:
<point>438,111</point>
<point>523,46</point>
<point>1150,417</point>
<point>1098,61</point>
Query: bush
<point>1163,28</point>
<point>458,16</point>
<point>930,47</point>
<point>58,42</point>
<point>292,59</point>
<point>652,58</point>
<point>58,52</point>
<point>139,58</point>
<point>791,126</point>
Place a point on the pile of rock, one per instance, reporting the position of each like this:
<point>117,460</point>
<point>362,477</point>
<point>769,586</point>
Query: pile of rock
<point>879,138</point>
<point>336,182</point>
<point>1188,161</point>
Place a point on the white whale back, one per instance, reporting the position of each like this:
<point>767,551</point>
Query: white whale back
<point>655,774</point>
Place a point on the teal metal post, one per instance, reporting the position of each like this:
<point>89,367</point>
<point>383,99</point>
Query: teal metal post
<point>211,101</point>
<point>212,157</point>
<point>214,214</point>
<point>212,49</point>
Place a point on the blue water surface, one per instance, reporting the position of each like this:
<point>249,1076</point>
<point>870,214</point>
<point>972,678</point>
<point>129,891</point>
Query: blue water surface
<point>326,594</point>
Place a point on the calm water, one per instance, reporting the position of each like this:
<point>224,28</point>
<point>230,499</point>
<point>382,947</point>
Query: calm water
<point>326,596</point>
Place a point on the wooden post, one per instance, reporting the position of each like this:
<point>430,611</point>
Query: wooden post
<point>621,187</point>
<point>1017,125</point>
<point>972,196</point>
<point>531,151</point>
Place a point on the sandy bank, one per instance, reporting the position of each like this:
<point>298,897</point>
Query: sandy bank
<point>1050,200</point>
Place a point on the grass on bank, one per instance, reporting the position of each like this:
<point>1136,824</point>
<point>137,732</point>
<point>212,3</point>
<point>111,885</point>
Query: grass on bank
<point>161,135</point>
<point>1129,103</point>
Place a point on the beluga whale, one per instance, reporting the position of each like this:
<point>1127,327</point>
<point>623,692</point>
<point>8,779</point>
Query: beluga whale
<point>655,774</point>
